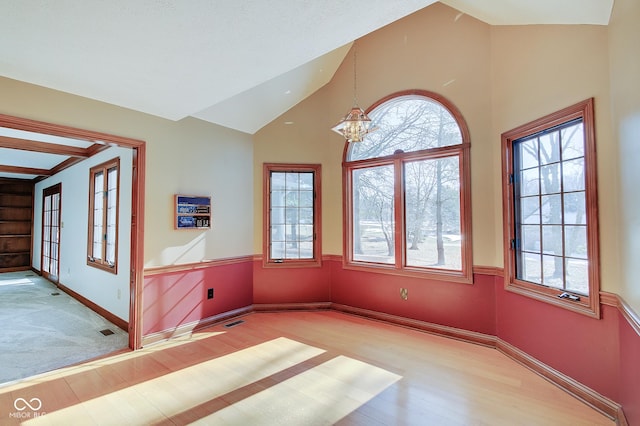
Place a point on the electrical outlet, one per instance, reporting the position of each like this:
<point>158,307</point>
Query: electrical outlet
<point>119,294</point>
<point>404,293</point>
<point>210,293</point>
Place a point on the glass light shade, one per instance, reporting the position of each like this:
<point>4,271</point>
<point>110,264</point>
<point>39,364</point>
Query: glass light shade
<point>355,125</point>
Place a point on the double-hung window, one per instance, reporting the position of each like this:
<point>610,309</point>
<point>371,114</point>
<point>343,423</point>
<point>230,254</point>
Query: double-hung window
<point>102,246</point>
<point>407,190</point>
<point>550,204</point>
<point>292,214</point>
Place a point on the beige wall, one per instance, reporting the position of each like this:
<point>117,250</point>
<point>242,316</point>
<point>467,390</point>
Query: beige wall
<point>499,77</point>
<point>434,49</point>
<point>188,156</point>
<point>539,69</point>
<point>624,45</point>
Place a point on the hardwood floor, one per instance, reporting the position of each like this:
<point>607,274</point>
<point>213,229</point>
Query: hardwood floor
<point>298,368</point>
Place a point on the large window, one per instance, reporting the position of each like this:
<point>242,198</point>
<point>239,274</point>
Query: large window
<point>292,214</point>
<point>407,191</point>
<point>551,219</point>
<point>103,216</point>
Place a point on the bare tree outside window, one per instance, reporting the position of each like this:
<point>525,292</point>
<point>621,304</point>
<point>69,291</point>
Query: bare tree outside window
<point>550,209</point>
<point>417,148</point>
<point>551,182</point>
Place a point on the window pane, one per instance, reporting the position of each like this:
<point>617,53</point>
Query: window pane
<point>407,123</point>
<point>530,179</point>
<point>278,198</point>
<point>549,148</point>
<point>112,212</point>
<point>530,267</point>
<point>292,181</point>
<point>277,217</point>
<point>277,250</point>
<point>98,213</point>
<point>531,238</point>
<point>552,239</point>
<point>550,178</point>
<point>551,209</point>
<point>573,175</point>
<point>291,199</point>
<point>575,209</point>
<point>575,241</point>
<point>373,221</point>
<point>528,154</point>
<point>577,276</point>
<point>432,213</point>
<point>552,271</point>
<point>306,198</point>
<point>572,141</point>
<point>530,210</point>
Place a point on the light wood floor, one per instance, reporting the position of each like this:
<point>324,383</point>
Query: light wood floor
<point>298,368</point>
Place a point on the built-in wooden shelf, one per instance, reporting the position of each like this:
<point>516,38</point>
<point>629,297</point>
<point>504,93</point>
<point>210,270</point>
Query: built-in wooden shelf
<point>16,227</point>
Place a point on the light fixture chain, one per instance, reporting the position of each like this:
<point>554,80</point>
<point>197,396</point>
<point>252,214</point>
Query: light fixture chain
<point>355,85</point>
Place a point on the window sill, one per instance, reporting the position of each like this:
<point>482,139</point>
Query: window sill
<point>444,275</point>
<point>106,268</point>
<point>585,306</point>
<point>292,264</point>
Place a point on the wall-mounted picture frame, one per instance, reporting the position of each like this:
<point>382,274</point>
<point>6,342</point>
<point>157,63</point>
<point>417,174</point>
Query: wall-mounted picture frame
<point>192,212</point>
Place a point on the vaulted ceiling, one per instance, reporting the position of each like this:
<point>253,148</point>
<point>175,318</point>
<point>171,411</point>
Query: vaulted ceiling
<point>239,64</point>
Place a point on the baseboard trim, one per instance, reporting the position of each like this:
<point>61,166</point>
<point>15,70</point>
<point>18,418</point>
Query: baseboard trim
<point>604,405</point>
<point>587,395</point>
<point>96,308</point>
<point>194,326</point>
<point>441,330</point>
<point>278,307</point>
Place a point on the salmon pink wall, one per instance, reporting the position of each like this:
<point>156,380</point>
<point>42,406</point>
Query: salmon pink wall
<point>579,346</point>
<point>173,299</point>
<point>600,354</point>
<point>291,285</point>
<point>629,391</point>
<point>464,306</point>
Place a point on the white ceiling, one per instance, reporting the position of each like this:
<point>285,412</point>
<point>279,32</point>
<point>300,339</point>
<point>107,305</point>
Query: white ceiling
<point>237,63</point>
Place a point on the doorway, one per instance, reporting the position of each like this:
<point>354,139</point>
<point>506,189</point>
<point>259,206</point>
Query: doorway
<point>98,141</point>
<point>50,263</point>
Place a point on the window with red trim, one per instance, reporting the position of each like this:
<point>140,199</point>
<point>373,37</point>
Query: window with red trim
<point>407,190</point>
<point>551,216</point>
<point>292,214</point>
<point>102,248</point>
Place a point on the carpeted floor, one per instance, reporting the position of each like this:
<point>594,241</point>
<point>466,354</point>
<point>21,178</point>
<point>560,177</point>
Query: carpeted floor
<point>42,328</point>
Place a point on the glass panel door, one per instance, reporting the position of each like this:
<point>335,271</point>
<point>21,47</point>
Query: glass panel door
<point>51,232</point>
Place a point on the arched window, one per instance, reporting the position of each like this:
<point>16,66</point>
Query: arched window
<point>407,190</point>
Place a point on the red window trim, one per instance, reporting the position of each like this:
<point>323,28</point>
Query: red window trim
<point>587,305</point>
<point>465,275</point>
<point>267,262</point>
<point>91,261</point>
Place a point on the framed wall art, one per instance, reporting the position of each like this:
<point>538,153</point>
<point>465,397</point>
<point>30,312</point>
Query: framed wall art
<point>192,212</point>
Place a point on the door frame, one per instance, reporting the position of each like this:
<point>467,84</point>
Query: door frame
<point>137,203</point>
<point>46,192</point>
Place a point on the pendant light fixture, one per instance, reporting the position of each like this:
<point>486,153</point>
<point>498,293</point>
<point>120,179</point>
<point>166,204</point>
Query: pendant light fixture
<point>356,124</point>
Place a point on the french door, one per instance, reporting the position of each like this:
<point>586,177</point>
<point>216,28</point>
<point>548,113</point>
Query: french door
<point>50,263</point>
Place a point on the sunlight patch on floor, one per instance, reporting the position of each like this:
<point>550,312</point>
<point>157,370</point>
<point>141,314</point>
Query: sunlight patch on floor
<point>322,395</point>
<point>180,391</point>
<point>16,281</point>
